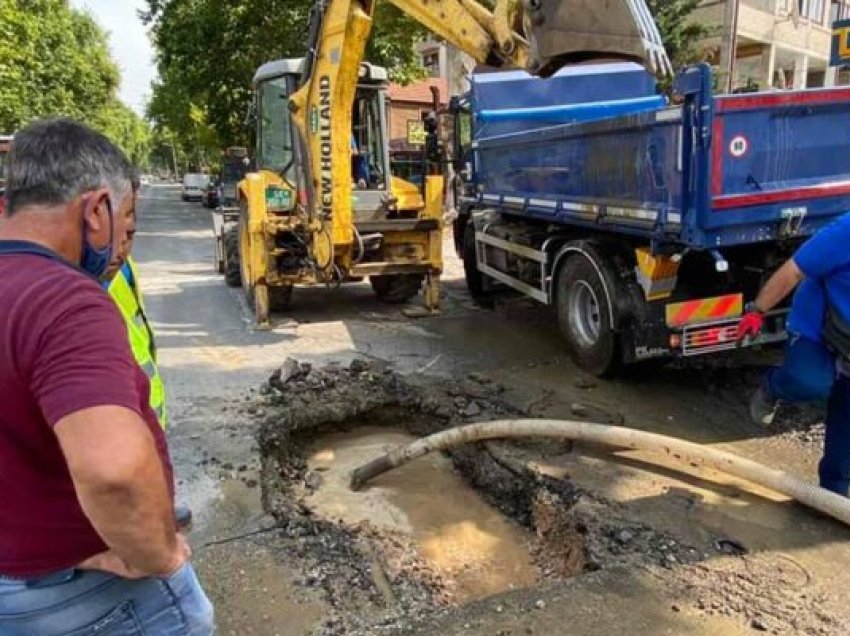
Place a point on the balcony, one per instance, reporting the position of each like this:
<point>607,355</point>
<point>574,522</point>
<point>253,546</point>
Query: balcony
<point>769,22</point>
<point>774,50</point>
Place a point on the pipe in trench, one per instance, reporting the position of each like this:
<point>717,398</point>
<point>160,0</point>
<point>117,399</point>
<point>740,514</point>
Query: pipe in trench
<point>808,494</point>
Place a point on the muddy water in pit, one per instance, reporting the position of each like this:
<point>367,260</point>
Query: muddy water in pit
<point>462,537</point>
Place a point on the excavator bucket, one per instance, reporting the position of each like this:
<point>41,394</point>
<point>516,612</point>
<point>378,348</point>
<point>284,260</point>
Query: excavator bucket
<point>564,32</point>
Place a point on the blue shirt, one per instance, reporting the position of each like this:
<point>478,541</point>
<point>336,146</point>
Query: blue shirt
<point>825,260</point>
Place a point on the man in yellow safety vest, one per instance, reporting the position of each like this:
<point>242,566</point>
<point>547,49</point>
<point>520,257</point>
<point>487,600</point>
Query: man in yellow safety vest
<point>122,282</point>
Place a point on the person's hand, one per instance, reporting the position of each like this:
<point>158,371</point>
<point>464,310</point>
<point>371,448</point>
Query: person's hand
<point>113,564</point>
<point>182,553</point>
<point>110,562</point>
<point>751,325</point>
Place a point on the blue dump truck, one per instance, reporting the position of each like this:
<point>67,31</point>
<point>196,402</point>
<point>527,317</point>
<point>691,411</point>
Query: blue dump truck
<point>646,223</point>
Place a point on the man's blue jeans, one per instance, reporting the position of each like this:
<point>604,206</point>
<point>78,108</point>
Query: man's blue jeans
<point>83,602</point>
<point>808,375</point>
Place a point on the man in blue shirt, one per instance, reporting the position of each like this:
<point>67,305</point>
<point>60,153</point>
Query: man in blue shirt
<point>811,372</point>
<point>359,165</point>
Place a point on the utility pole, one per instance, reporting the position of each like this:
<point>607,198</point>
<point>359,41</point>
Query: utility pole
<point>729,43</point>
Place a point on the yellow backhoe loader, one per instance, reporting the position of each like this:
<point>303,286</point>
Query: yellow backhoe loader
<point>321,206</point>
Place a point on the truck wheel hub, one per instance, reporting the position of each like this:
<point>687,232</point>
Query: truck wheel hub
<point>585,316</point>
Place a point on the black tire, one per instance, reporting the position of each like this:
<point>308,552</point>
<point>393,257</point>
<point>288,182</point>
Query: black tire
<point>395,289</point>
<point>232,273</point>
<point>474,278</point>
<point>584,317</point>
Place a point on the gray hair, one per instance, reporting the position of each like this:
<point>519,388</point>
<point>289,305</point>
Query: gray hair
<point>53,161</point>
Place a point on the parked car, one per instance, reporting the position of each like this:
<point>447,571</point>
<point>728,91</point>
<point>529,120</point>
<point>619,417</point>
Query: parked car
<point>194,185</point>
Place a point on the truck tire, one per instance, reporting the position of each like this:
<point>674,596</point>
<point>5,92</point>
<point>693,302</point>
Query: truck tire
<point>474,278</point>
<point>232,273</point>
<point>395,289</point>
<point>583,317</point>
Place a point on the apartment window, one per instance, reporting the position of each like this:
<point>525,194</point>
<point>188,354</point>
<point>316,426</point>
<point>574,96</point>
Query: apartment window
<point>812,9</point>
<point>838,11</point>
<point>431,62</point>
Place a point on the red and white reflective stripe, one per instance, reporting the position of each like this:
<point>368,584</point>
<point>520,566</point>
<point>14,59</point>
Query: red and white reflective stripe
<point>703,310</point>
<point>717,157</point>
<point>802,98</point>
<point>821,191</point>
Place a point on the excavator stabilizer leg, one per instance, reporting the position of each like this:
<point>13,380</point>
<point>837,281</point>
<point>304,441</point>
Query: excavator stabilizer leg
<point>564,32</point>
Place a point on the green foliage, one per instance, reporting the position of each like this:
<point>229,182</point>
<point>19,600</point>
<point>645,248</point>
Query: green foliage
<point>683,37</point>
<point>55,60</point>
<point>123,126</point>
<point>208,51</point>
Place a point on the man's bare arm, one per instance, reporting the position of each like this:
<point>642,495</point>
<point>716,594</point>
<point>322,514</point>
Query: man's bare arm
<point>777,288</point>
<point>121,486</point>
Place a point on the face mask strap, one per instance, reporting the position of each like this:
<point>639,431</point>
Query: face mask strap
<point>95,261</point>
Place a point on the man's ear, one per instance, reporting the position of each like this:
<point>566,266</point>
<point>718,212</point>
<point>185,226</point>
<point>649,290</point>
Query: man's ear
<point>96,209</point>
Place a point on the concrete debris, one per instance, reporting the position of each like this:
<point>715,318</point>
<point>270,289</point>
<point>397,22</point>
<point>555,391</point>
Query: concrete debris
<point>314,480</point>
<point>585,383</point>
<point>624,536</point>
<point>287,371</point>
<point>471,410</point>
<point>479,378</point>
<point>358,365</point>
<point>578,410</point>
<point>758,625</point>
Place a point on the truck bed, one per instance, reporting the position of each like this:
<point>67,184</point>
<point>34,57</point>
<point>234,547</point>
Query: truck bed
<point>590,148</point>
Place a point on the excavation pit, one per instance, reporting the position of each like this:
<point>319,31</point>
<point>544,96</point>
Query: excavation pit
<point>467,542</point>
<point>445,530</point>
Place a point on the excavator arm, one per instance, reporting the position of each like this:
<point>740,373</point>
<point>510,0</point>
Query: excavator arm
<point>538,35</point>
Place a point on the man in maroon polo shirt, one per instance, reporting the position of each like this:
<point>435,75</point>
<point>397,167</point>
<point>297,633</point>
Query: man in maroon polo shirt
<point>88,542</point>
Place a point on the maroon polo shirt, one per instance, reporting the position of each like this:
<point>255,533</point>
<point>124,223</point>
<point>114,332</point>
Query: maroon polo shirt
<point>63,348</point>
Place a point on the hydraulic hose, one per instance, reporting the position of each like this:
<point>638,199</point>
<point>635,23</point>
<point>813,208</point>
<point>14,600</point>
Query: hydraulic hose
<point>805,493</point>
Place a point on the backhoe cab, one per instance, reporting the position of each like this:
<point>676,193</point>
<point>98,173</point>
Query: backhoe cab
<point>396,238</point>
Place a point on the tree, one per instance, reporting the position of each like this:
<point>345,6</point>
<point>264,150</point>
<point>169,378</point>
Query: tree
<point>124,127</point>
<point>683,37</point>
<point>55,60</point>
<point>208,51</point>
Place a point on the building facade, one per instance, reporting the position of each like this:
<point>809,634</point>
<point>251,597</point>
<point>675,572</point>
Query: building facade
<point>780,43</point>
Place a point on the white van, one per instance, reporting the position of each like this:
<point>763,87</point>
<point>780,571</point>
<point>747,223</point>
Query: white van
<point>194,186</point>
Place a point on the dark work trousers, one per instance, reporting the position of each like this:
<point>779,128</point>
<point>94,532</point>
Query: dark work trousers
<point>809,374</point>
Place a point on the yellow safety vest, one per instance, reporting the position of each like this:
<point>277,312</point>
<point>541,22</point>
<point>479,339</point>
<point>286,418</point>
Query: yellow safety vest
<point>129,301</point>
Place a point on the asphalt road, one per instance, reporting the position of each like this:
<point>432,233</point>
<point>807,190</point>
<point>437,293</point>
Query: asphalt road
<point>211,359</point>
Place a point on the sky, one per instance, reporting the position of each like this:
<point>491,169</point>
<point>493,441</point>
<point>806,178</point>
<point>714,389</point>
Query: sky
<point>130,46</point>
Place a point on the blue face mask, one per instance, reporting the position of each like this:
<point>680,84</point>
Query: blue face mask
<point>96,261</point>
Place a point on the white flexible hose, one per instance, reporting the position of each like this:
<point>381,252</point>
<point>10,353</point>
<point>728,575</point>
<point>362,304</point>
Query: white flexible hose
<point>806,493</point>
